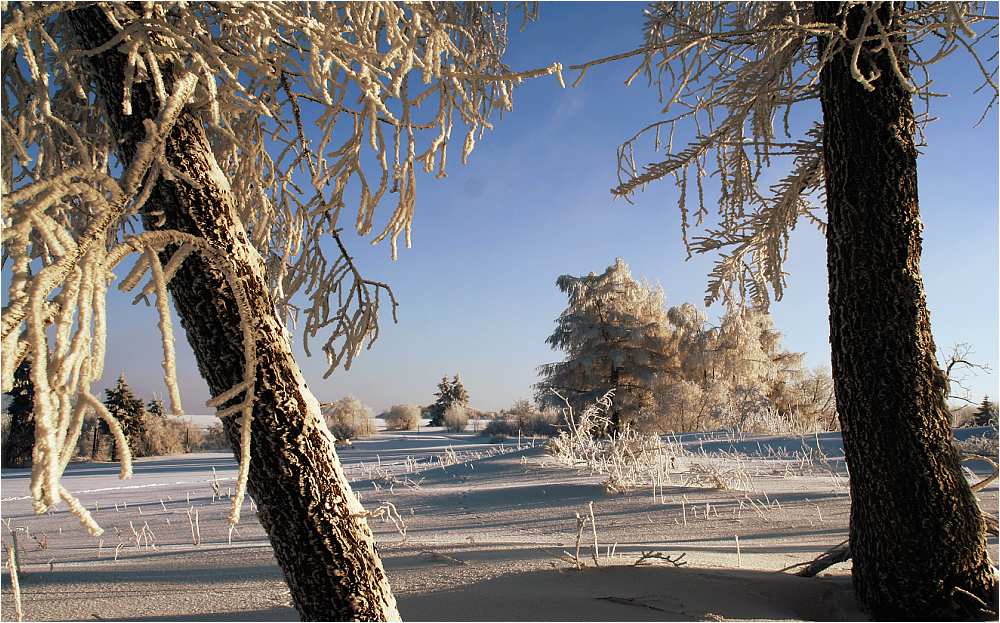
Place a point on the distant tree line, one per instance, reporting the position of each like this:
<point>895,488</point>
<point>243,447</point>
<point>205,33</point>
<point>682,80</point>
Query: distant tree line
<point>147,428</point>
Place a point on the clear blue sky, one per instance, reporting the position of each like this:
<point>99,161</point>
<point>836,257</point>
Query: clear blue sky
<point>477,290</point>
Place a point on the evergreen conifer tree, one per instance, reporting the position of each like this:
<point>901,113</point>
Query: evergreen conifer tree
<point>449,393</point>
<point>458,393</point>
<point>436,410</point>
<point>155,407</point>
<point>616,336</point>
<point>21,437</point>
<point>127,409</point>
<point>986,415</point>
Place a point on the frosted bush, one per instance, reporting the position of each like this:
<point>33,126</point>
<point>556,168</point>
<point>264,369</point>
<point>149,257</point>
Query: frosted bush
<point>456,418</point>
<point>986,444</point>
<point>402,417</point>
<point>525,419</point>
<point>628,459</point>
<point>348,418</point>
<point>157,436</point>
<point>214,438</point>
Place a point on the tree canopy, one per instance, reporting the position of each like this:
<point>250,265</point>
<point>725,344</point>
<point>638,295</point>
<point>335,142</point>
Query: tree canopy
<point>729,75</point>
<point>615,336</point>
<point>308,108</point>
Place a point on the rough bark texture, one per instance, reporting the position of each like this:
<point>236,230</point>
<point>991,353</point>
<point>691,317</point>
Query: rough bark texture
<point>315,523</point>
<point>917,535</point>
<point>20,439</point>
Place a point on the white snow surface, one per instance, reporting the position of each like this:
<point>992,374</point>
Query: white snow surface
<point>485,537</point>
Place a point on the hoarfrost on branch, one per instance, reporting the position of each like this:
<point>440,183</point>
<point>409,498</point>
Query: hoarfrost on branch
<point>731,72</point>
<point>311,108</point>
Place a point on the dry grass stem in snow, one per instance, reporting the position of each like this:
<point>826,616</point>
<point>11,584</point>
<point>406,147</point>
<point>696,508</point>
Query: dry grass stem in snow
<point>15,585</point>
<point>628,458</point>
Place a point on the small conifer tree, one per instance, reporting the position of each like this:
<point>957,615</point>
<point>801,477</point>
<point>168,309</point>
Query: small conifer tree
<point>436,410</point>
<point>615,334</point>
<point>20,440</point>
<point>458,393</point>
<point>986,414</point>
<point>127,409</point>
<point>155,407</point>
<point>449,393</point>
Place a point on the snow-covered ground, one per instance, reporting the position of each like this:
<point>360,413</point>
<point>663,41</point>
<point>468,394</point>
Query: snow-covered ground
<point>486,537</point>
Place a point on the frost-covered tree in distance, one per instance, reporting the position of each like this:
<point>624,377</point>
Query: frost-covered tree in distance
<point>986,414</point>
<point>155,407</point>
<point>21,435</point>
<point>233,132</point>
<point>615,334</point>
<point>730,70</point>
<point>741,357</point>
<point>450,393</point>
<point>458,393</point>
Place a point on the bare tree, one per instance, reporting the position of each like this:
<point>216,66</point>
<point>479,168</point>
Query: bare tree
<point>957,366</point>
<point>730,73</point>
<point>216,143</point>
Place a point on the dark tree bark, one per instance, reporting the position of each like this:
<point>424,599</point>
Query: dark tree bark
<point>20,439</point>
<point>320,535</point>
<point>917,535</point>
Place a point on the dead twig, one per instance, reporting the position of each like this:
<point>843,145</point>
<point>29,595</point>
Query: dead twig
<point>630,601</point>
<point>438,556</point>
<point>646,557</point>
<point>839,553</point>
<point>580,523</point>
<point>593,527</point>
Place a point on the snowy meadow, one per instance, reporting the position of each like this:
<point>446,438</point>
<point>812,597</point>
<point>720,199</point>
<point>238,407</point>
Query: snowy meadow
<point>468,530</point>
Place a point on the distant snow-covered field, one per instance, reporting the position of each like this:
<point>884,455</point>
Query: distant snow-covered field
<point>490,534</point>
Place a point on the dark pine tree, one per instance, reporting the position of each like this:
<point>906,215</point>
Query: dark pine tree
<point>127,410</point>
<point>449,393</point>
<point>986,414</point>
<point>436,410</point>
<point>21,437</point>
<point>155,407</point>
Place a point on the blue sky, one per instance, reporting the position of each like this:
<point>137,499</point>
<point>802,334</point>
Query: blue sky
<point>477,290</point>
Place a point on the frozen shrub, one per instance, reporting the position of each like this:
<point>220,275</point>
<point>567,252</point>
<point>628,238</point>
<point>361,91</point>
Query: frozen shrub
<point>191,436</point>
<point>628,458</point>
<point>501,428</point>
<point>402,417</point>
<point>156,436</point>
<point>456,418</point>
<point>985,443</point>
<point>523,418</point>
<point>214,437</point>
<point>348,418</point>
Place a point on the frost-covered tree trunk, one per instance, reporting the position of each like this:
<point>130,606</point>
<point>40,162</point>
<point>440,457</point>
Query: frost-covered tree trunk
<point>917,534</point>
<point>318,528</point>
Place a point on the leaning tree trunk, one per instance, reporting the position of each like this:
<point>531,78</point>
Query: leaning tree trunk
<point>318,529</point>
<point>917,533</point>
